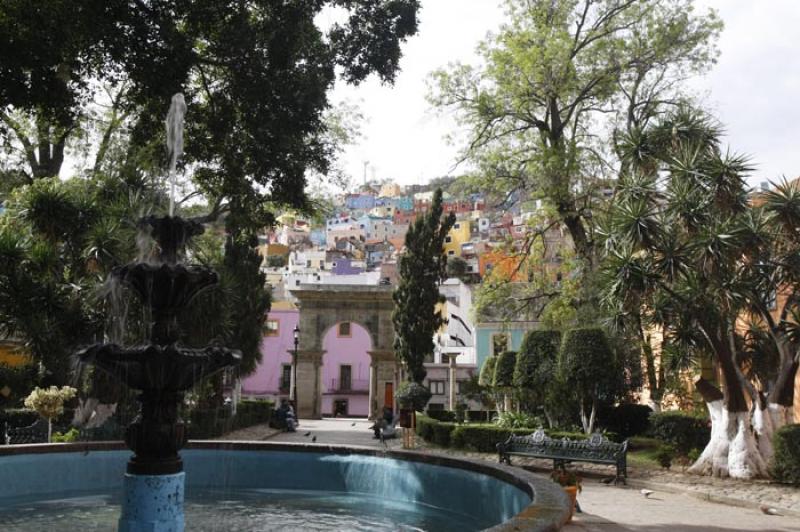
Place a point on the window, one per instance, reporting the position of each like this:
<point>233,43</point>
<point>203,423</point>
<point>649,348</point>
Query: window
<point>499,343</point>
<point>437,387</point>
<point>286,377</point>
<point>448,239</point>
<point>344,329</point>
<point>457,226</point>
<point>451,253</point>
<point>308,264</point>
<point>345,374</point>
<point>460,385</point>
<point>271,327</point>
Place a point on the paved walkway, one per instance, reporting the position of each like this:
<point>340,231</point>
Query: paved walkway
<point>606,507</point>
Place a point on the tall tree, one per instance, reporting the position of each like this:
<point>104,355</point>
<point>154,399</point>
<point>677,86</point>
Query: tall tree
<point>536,369</point>
<point>552,81</point>
<point>423,266</point>
<point>256,76</point>
<point>688,251</point>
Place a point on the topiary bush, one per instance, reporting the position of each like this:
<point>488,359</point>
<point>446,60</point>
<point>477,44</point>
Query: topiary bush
<point>486,377</point>
<point>681,430</point>
<point>536,361</point>
<point>504,370</point>
<point>413,395</point>
<point>785,466</point>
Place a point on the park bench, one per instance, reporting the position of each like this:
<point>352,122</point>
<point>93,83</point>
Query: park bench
<point>597,450</point>
<point>35,433</point>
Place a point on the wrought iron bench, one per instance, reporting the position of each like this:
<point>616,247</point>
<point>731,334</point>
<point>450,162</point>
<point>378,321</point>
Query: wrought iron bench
<point>35,433</point>
<point>597,449</point>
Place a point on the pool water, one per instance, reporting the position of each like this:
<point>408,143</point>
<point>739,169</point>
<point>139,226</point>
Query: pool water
<point>243,510</point>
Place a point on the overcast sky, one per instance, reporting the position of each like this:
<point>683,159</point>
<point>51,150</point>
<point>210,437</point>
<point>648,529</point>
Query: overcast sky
<point>753,89</point>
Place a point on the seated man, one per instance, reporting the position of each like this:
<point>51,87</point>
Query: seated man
<point>280,415</point>
<point>291,419</point>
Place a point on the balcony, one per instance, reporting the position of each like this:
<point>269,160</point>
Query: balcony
<point>351,386</point>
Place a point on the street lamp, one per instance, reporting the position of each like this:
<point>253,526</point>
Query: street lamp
<point>294,369</point>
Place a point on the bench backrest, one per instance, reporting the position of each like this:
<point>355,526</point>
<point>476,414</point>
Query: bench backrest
<point>596,447</point>
<point>35,433</point>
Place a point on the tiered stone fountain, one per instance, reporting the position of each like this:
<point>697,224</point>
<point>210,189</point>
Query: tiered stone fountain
<point>162,371</point>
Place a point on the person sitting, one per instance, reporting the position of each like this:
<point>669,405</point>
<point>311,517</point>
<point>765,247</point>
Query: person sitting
<point>279,421</point>
<point>382,423</point>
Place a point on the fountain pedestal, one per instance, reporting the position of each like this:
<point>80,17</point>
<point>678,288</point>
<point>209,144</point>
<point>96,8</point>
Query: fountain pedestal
<point>152,503</point>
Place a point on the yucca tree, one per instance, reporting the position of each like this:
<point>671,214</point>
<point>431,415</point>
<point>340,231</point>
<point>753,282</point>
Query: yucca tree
<point>686,252</point>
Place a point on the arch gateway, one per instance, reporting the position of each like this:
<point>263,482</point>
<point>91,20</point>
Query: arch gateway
<point>322,307</point>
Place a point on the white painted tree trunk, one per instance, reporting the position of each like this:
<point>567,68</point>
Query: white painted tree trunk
<point>507,407</point>
<point>766,423</point>
<point>655,405</point>
<point>732,450</point>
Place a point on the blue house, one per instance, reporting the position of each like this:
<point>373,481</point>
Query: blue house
<point>491,338</point>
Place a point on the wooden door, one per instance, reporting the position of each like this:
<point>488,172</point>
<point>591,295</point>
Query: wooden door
<point>388,395</point>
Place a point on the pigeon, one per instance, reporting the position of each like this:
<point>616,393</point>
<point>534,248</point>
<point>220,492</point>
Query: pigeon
<point>768,510</point>
<point>646,493</point>
<point>313,439</point>
<point>353,424</point>
<point>607,480</point>
<point>307,434</point>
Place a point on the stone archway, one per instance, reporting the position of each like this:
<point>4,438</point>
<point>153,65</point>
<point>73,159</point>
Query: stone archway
<point>322,307</point>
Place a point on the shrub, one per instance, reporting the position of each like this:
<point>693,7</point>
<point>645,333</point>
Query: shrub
<point>785,466</point>
<point>641,443</point>
<point>517,420</point>
<point>664,455</point>
<point>535,365</point>
<point>441,415</point>
<point>413,395</point>
<point>69,436</point>
<point>681,430</point>
<point>425,427</point>
<point>487,372</point>
<point>482,438</point>
<point>504,370</point>
<point>249,413</point>
<point>626,419</point>
<point>441,433</point>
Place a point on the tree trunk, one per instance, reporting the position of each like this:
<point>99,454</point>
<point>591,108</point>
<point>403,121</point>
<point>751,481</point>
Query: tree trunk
<point>732,450</point>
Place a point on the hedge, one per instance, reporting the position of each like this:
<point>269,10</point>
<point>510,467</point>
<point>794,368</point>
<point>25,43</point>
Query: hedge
<point>441,415</point>
<point>681,430</point>
<point>249,413</point>
<point>213,423</point>
<point>785,466</point>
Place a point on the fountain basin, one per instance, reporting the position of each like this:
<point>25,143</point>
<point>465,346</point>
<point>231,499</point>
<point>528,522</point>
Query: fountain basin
<point>279,483</point>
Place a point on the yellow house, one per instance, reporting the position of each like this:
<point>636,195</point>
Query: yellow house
<point>458,235</point>
<point>12,354</point>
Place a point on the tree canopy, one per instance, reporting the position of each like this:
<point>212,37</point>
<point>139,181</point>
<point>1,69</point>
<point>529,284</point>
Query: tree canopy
<point>255,74</point>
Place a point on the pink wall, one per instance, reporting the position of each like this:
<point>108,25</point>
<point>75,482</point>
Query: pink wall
<point>274,352</point>
<point>350,350</point>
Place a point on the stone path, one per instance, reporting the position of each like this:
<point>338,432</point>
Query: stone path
<point>606,507</point>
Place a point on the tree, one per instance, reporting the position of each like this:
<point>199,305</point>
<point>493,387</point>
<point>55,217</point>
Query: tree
<point>422,268</point>
<point>255,74</point>
<point>588,367</point>
<point>536,369</point>
<point>688,253</point>
<point>457,267</point>
<point>551,80</point>
<point>276,261</point>
<point>503,380</point>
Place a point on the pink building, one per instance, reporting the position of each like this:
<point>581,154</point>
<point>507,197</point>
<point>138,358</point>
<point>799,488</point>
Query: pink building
<point>345,364</point>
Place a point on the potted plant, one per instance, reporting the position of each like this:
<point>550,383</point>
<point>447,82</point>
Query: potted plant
<point>571,482</point>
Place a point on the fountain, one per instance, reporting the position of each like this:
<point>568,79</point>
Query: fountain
<point>247,486</point>
<point>161,370</point>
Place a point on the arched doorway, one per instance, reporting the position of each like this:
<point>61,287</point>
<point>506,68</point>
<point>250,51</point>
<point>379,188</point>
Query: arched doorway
<point>321,308</point>
<point>345,370</point>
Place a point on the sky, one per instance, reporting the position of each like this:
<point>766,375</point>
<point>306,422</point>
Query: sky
<point>753,90</point>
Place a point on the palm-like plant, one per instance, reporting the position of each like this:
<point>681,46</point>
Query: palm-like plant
<point>687,253</point>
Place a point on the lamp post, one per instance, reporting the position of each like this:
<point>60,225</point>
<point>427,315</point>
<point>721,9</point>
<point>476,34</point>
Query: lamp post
<point>294,369</point>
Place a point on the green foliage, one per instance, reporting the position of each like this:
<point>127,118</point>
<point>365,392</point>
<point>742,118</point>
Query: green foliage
<point>682,431</point>
<point>517,420</point>
<point>67,437</point>
<point>20,381</point>
<point>664,455</point>
<point>785,466</point>
<point>457,267</point>
<point>626,419</point>
<point>256,77</point>
<point>441,433</point>
<point>441,415</point>
<point>487,372</point>
<point>250,413</point>
<point>535,372</point>
<point>482,438</point>
<point>422,267</point>
<point>588,368</point>
<point>413,395</point>
<point>504,370</point>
